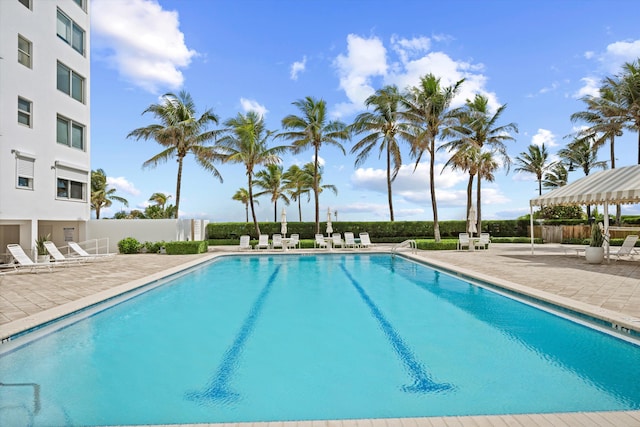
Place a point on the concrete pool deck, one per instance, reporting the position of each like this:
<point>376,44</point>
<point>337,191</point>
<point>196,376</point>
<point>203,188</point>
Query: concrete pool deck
<point>607,291</point>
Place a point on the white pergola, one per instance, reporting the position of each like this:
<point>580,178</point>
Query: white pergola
<point>613,186</point>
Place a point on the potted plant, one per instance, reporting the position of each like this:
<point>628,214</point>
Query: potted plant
<point>43,255</point>
<point>594,254</point>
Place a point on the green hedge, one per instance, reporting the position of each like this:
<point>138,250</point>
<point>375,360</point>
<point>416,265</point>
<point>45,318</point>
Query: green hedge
<point>182,248</point>
<point>380,231</point>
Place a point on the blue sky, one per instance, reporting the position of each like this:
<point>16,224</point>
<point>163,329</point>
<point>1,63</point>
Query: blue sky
<point>538,57</point>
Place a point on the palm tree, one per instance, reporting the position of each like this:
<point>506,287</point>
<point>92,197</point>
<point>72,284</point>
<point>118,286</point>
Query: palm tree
<point>475,125</point>
<point>101,195</point>
<point>309,168</point>
<point>180,133</point>
<point>583,152</point>
<point>160,199</point>
<point>535,161</point>
<point>244,141</point>
<point>270,179</point>
<point>383,127</point>
<point>558,176</point>
<point>466,159</point>
<point>298,183</point>
<point>427,109</point>
<point>313,128</point>
<point>242,195</point>
<point>627,86</point>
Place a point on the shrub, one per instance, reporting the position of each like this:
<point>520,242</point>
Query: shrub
<point>182,248</point>
<point>153,247</point>
<point>129,245</point>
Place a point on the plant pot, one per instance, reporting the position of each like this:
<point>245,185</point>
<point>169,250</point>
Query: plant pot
<point>43,258</point>
<point>594,255</point>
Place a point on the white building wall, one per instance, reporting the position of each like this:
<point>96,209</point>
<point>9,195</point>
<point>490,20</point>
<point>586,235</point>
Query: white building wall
<point>38,84</point>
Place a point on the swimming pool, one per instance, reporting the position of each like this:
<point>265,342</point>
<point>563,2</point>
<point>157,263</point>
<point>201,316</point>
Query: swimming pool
<point>288,337</point>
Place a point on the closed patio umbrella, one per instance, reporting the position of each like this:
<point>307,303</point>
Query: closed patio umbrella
<point>472,220</point>
<point>329,227</point>
<point>283,222</point>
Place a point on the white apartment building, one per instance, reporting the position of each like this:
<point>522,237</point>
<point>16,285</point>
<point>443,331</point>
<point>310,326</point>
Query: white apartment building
<point>45,169</point>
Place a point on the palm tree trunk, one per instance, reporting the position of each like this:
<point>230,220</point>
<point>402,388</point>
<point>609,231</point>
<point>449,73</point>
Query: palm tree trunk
<point>389,195</point>
<point>246,212</point>
<point>97,212</point>
<point>299,209</point>
<point>179,180</point>
<point>316,196</point>
<point>253,211</point>
<point>275,211</point>
<point>613,166</point>
<point>469,196</point>
<point>432,187</point>
<point>479,205</point>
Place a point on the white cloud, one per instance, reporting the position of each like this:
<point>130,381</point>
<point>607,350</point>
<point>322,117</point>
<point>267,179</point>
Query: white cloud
<point>298,67</point>
<point>120,183</point>
<point>591,87</point>
<point>142,41</point>
<point>618,53</point>
<point>545,137</point>
<point>253,105</point>
<point>589,54</point>
<point>365,59</point>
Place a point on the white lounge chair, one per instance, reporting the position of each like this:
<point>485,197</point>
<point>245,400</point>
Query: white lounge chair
<point>245,242</point>
<point>263,242</point>
<point>336,240</point>
<point>463,240</point>
<point>24,261</point>
<point>628,247</point>
<point>79,250</point>
<point>349,240</point>
<point>483,241</point>
<point>365,241</point>
<point>294,241</point>
<point>276,241</point>
<point>58,257</point>
<point>320,242</point>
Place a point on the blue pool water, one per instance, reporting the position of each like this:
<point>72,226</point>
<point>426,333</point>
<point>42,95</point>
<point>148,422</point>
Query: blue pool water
<point>262,338</point>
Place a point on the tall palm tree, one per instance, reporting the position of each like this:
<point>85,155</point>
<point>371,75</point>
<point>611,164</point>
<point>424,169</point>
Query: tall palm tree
<point>476,125</point>
<point>627,86</point>
<point>101,195</point>
<point>427,109</point>
<point>244,140</point>
<point>242,195</point>
<point>298,183</point>
<point>180,132</point>
<point>160,199</point>
<point>383,127</point>
<point>270,179</point>
<point>313,128</point>
<point>309,169</point>
<point>535,161</point>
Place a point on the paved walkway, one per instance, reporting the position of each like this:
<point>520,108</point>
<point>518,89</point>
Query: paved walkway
<point>608,291</point>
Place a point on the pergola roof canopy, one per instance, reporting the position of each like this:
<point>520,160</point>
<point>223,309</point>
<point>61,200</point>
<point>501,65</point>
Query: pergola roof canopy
<point>613,186</point>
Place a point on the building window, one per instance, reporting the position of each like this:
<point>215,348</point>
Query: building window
<point>26,3</point>
<point>24,51</point>
<point>70,82</point>
<point>24,172</point>
<point>24,111</point>
<point>70,32</point>
<point>80,3</point>
<point>70,133</point>
<point>71,182</point>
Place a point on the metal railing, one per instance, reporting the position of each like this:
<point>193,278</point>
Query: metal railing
<point>410,244</point>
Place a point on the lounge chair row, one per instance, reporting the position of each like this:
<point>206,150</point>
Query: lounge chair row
<point>22,261</point>
<point>293,242</point>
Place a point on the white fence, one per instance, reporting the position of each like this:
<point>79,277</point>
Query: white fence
<point>146,230</point>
